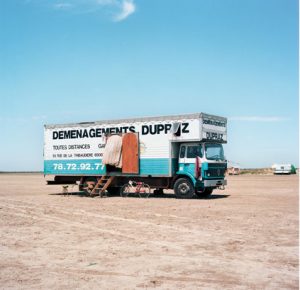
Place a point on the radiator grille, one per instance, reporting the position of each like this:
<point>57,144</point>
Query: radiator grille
<point>215,170</point>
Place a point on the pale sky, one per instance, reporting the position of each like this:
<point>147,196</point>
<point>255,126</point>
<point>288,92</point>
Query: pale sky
<point>74,61</point>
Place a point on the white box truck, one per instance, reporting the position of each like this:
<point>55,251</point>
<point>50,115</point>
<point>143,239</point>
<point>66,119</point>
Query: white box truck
<point>284,169</point>
<point>182,152</point>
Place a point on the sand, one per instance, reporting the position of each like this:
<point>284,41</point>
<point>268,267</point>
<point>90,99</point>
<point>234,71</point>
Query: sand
<point>245,237</point>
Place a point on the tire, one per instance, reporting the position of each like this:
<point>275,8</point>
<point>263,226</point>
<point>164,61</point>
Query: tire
<point>125,190</point>
<point>184,188</point>
<point>206,193</point>
<point>158,192</point>
<point>113,190</point>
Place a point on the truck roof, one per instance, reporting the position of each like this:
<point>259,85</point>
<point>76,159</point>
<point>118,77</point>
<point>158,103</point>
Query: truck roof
<point>140,119</point>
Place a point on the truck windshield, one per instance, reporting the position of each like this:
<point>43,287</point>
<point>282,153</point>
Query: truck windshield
<point>214,152</point>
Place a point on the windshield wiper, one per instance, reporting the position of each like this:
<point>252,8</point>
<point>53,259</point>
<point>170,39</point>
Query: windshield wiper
<point>215,157</point>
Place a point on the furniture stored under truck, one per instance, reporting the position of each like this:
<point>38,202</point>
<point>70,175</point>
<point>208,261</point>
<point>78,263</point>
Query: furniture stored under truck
<point>181,152</point>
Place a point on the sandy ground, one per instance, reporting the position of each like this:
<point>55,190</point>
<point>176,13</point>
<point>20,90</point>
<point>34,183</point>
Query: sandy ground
<point>245,237</point>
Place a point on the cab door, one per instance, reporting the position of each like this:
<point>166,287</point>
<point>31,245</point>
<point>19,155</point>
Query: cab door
<point>192,152</point>
<point>190,159</point>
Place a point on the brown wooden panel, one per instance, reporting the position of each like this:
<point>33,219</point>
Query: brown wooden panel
<point>130,153</point>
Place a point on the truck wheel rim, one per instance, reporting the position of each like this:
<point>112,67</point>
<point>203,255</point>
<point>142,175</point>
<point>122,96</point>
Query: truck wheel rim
<point>184,188</point>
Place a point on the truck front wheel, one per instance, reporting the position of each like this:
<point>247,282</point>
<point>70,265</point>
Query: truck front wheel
<point>205,193</point>
<point>184,188</point>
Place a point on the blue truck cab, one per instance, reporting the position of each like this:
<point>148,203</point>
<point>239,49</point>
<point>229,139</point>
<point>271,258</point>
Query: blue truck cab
<point>201,169</point>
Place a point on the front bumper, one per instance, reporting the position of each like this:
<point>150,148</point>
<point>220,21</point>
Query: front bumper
<point>282,172</point>
<point>215,183</point>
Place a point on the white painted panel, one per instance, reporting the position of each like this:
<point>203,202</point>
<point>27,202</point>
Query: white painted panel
<point>87,141</point>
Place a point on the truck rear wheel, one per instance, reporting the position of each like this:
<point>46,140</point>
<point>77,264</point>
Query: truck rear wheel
<point>158,192</point>
<point>184,188</point>
<point>113,190</point>
<point>205,193</point>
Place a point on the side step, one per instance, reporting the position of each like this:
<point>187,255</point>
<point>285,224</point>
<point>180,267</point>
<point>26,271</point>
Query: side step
<point>102,184</point>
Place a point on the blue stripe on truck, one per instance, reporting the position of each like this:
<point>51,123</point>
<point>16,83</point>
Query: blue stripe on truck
<point>153,166</point>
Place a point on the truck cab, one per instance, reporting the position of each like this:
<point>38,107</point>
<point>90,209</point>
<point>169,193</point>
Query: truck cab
<point>201,169</point>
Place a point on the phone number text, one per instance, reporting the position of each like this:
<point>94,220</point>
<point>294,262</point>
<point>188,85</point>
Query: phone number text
<point>75,166</point>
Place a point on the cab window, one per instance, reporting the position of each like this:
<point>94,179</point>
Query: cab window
<point>193,151</point>
<point>182,152</point>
